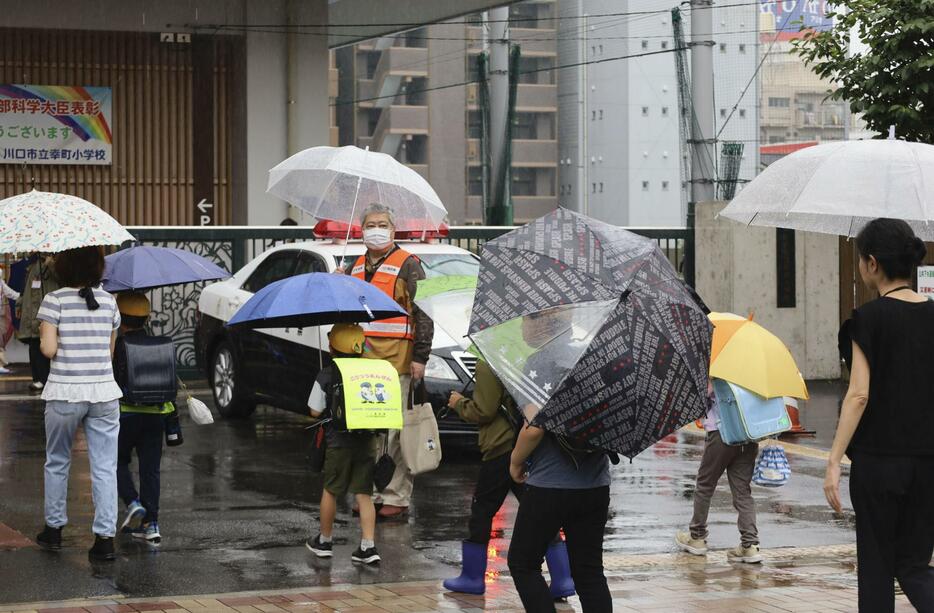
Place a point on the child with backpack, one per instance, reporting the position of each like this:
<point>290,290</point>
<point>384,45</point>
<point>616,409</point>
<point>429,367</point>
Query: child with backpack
<point>350,457</point>
<point>739,463</point>
<point>496,414</point>
<point>144,408</point>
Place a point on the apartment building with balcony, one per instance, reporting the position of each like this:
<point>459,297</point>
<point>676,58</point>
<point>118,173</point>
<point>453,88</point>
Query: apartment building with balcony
<point>409,96</point>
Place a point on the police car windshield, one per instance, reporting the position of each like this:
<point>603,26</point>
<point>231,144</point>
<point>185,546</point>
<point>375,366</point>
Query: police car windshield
<point>437,264</point>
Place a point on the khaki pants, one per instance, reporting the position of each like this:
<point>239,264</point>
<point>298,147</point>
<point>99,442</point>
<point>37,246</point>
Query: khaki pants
<point>739,463</point>
<point>399,491</point>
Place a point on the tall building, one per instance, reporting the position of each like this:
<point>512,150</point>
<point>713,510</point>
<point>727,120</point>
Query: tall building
<point>619,147</point>
<point>794,104</point>
<point>408,95</point>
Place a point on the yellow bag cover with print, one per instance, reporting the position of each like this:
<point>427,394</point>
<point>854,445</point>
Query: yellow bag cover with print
<point>372,394</point>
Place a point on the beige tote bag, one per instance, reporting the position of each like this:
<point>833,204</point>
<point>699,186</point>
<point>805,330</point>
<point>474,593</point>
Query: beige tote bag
<point>419,439</point>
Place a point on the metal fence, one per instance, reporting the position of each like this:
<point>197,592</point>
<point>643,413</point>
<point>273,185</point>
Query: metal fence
<point>175,308</point>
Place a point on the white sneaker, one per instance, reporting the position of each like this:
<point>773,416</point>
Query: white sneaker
<point>36,386</point>
<point>4,370</point>
<point>696,547</point>
<point>745,555</point>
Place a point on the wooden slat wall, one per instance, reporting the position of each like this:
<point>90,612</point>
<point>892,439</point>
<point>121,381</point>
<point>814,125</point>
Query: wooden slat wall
<point>853,293</point>
<point>150,180</point>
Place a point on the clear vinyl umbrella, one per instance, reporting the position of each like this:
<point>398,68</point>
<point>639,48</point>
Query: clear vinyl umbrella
<point>837,188</point>
<point>336,183</point>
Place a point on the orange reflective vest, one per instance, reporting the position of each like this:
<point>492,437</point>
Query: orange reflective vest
<point>385,279</point>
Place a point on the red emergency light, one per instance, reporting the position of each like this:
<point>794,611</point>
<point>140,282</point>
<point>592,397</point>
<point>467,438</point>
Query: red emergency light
<point>338,229</point>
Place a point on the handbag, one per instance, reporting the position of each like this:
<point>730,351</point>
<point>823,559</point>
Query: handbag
<point>772,467</point>
<point>419,439</point>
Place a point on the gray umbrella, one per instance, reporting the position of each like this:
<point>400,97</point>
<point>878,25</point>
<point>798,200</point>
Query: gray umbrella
<point>591,330</point>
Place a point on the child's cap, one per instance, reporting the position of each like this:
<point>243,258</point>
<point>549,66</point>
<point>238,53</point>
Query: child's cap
<point>347,338</point>
<point>133,304</point>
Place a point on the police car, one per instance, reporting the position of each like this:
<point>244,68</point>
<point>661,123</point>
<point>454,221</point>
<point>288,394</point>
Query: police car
<point>277,367</point>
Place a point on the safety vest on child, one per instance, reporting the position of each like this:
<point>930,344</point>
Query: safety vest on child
<point>385,279</point>
<point>367,397</point>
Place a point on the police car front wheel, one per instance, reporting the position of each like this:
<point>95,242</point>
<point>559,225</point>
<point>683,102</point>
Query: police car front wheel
<point>228,394</point>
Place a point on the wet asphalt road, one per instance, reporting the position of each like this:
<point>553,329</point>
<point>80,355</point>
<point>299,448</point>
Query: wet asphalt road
<point>238,502</point>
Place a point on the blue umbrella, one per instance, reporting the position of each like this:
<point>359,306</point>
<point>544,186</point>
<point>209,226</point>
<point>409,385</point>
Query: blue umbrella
<point>139,268</point>
<point>314,299</point>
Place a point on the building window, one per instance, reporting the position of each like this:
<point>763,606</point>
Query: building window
<point>601,187</point>
<point>664,111</point>
<point>593,188</point>
<point>474,181</point>
<point>664,186</point>
<point>645,111</point>
<point>600,48</point>
<point>722,112</point>
<point>742,48</point>
<point>664,44</point>
<point>593,115</point>
<point>742,113</point>
<point>645,44</point>
<point>785,258</point>
<point>782,103</point>
<point>601,115</point>
<point>722,47</point>
<point>645,186</point>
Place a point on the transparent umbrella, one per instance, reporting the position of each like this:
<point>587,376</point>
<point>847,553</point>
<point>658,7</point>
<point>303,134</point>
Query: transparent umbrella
<point>837,188</point>
<point>336,183</point>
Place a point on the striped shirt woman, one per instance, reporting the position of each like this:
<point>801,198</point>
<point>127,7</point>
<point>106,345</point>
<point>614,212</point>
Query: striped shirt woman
<point>77,330</point>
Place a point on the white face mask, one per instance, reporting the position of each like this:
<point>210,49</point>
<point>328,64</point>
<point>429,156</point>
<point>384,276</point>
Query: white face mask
<point>377,238</point>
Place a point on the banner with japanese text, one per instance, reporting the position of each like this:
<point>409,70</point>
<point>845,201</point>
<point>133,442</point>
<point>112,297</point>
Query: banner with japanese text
<point>55,124</point>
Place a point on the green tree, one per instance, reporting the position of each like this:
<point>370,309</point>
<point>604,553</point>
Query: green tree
<point>891,81</point>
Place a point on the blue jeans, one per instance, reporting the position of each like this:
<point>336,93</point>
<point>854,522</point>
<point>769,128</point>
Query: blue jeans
<point>101,422</point>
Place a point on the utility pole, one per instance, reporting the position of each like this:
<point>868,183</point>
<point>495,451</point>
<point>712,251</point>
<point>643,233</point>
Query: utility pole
<point>583,169</point>
<point>703,186</point>
<point>499,98</point>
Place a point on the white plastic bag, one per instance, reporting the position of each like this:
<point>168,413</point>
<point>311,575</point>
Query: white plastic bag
<point>200,413</point>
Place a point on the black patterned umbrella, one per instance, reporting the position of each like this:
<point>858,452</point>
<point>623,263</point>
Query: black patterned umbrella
<point>591,330</point>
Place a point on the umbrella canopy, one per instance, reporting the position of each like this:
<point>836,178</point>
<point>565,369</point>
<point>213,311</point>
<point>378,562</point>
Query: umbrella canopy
<point>615,349</point>
<point>50,222</point>
<point>750,356</point>
<point>336,183</point>
<point>315,299</point>
<point>837,188</point>
<point>139,268</point>
<point>448,301</point>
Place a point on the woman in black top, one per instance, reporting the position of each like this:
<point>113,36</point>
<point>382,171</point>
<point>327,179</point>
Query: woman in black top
<point>887,424</point>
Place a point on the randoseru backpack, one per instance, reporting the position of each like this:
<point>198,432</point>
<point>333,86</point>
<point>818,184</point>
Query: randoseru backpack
<point>144,367</point>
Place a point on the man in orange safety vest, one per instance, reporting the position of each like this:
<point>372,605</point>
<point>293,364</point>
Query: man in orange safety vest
<point>404,341</point>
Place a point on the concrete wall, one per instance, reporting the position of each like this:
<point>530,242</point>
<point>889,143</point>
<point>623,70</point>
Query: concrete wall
<point>736,272</point>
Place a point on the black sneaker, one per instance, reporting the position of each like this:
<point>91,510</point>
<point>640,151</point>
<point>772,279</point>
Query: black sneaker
<point>370,556</point>
<point>322,550</point>
<point>103,548</point>
<point>50,538</point>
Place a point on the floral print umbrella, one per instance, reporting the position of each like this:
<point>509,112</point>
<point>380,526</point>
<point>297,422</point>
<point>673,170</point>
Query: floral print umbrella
<point>49,222</point>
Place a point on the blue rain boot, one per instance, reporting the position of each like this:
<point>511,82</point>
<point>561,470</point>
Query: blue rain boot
<point>474,570</point>
<point>562,585</point>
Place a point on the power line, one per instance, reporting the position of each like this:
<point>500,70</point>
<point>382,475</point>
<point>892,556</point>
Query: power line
<point>411,25</point>
<point>524,72</point>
